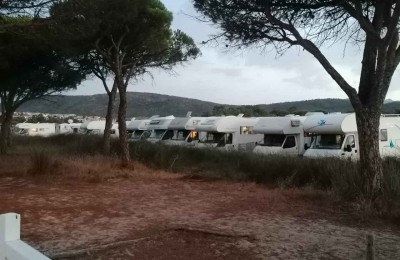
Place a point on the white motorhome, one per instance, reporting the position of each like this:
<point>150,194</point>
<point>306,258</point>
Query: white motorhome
<point>97,128</point>
<point>137,129</point>
<point>37,129</point>
<point>159,129</point>
<point>70,128</point>
<point>228,133</point>
<point>184,132</point>
<point>335,135</point>
<point>282,135</point>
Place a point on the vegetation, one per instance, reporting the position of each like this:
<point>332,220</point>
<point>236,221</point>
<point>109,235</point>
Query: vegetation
<point>127,38</point>
<point>29,69</point>
<point>309,25</point>
<point>338,177</point>
<point>49,119</point>
<point>24,7</point>
<point>149,104</point>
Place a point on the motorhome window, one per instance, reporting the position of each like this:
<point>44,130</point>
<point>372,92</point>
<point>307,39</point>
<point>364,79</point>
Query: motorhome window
<point>193,136</point>
<point>350,141</point>
<point>328,141</point>
<point>41,129</point>
<point>290,142</point>
<point>180,135</point>
<point>168,135</point>
<point>383,135</point>
<point>213,137</point>
<point>23,131</point>
<point>146,135</point>
<point>157,134</point>
<point>136,134</point>
<point>273,140</point>
<point>246,130</point>
<point>130,134</point>
<point>229,138</point>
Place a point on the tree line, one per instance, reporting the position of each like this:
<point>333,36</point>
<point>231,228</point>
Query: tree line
<point>253,111</point>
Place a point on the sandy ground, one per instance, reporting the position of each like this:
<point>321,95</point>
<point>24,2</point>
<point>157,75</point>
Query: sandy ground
<point>157,215</point>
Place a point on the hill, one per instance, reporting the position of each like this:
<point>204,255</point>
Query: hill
<point>148,104</point>
<point>139,104</point>
<point>326,105</point>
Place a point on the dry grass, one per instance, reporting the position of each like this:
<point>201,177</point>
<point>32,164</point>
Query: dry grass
<point>77,158</point>
<point>45,166</point>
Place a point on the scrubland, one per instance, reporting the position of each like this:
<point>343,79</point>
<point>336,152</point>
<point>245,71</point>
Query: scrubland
<point>176,202</point>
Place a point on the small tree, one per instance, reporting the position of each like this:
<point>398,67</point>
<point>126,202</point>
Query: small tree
<point>29,69</point>
<point>311,23</point>
<point>25,7</point>
<point>129,37</point>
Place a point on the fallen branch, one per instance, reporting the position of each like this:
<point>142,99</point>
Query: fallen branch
<point>210,232</point>
<point>85,251</point>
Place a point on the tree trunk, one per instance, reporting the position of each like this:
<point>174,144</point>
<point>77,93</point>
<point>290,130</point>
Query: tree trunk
<point>109,118</point>
<point>5,132</point>
<point>371,168</point>
<point>123,134</point>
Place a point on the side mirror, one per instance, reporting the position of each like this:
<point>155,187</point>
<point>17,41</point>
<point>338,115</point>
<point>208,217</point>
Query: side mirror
<point>348,148</point>
<point>306,147</point>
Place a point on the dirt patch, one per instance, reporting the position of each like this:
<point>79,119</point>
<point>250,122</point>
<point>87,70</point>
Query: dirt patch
<point>176,218</point>
<point>179,244</point>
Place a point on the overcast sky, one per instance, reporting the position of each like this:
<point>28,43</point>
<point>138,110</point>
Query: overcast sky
<point>247,77</point>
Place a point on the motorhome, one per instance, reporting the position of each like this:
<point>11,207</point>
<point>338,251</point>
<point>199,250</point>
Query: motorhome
<point>158,128</point>
<point>37,129</point>
<point>335,135</point>
<point>184,132</point>
<point>70,128</point>
<point>97,128</point>
<point>137,129</point>
<point>282,135</point>
<point>228,133</point>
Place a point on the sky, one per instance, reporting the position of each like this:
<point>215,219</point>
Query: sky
<point>246,77</point>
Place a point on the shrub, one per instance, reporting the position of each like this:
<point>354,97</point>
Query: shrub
<point>42,164</point>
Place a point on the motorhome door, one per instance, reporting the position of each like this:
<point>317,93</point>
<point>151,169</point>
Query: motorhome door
<point>290,145</point>
<point>349,149</point>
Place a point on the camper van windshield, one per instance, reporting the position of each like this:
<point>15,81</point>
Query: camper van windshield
<point>157,134</point>
<point>137,134</point>
<point>330,141</point>
<point>180,135</point>
<point>273,140</point>
<point>213,137</point>
<point>23,131</point>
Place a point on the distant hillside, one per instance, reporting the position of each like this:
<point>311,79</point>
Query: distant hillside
<point>148,104</point>
<point>139,104</point>
<point>326,105</point>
